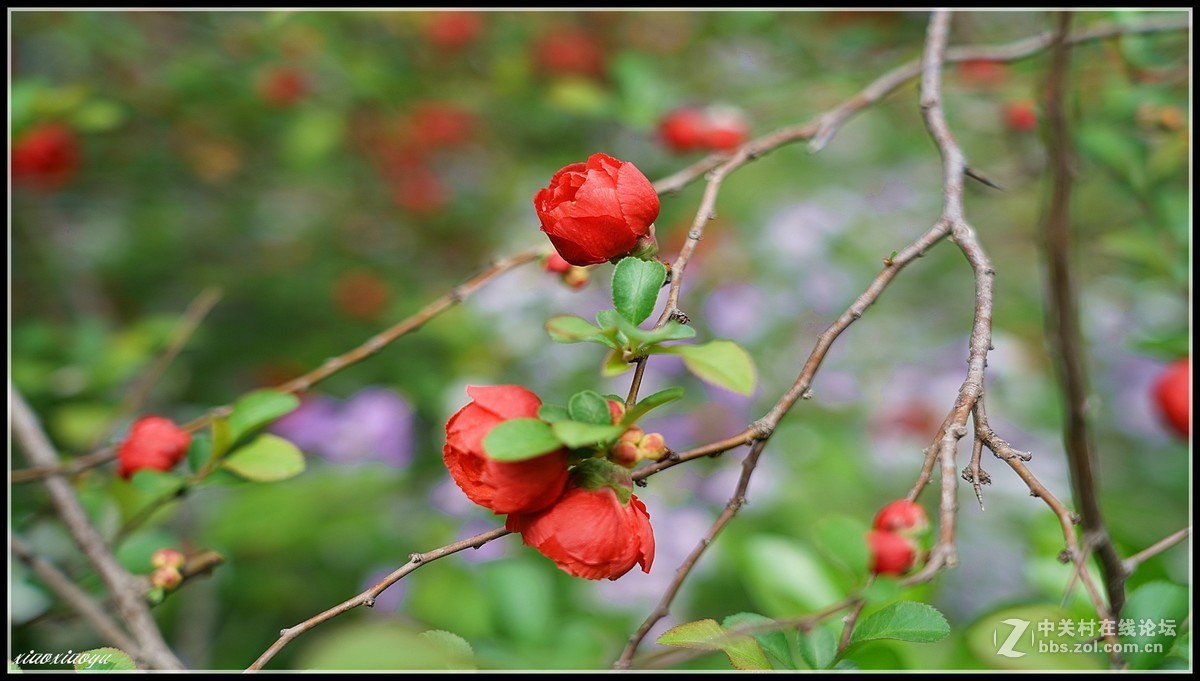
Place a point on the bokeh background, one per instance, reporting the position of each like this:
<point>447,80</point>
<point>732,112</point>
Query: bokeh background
<point>332,172</point>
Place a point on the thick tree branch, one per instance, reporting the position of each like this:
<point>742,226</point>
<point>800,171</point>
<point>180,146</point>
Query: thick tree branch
<point>151,650</point>
<point>72,595</point>
<point>1062,324</point>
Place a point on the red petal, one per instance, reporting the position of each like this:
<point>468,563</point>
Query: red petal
<point>505,401</point>
<point>637,198</point>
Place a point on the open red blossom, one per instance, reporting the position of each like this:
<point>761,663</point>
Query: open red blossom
<point>503,487</point>
<point>45,156</point>
<point>598,210</point>
<point>155,443</point>
<point>590,534</point>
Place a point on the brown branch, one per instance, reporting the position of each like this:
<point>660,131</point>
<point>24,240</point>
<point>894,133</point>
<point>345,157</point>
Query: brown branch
<point>1062,324</point>
<point>1067,520</point>
<point>761,430</point>
<point>72,595</point>
<point>1132,562</point>
<point>331,366</point>
<point>151,650</point>
<point>367,598</point>
<point>735,503</point>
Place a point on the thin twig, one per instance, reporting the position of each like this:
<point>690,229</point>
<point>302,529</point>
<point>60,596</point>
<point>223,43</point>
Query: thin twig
<point>72,595</point>
<point>367,598</point>
<point>1062,324</point>
<point>151,650</point>
<point>735,503</point>
<point>1132,562</point>
<point>195,313</point>
<point>331,366</point>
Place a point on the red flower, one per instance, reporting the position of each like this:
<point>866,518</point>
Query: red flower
<point>1020,116</point>
<point>902,517</point>
<point>590,533</point>
<point>727,128</point>
<point>519,487</point>
<point>598,210</point>
<point>154,442</point>
<point>891,554</point>
<point>570,51</point>
<point>45,156</point>
<point>282,86</point>
<point>684,130</point>
<point>1173,395</point>
<point>454,30</point>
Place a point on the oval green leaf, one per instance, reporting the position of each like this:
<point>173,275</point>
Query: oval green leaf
<point>575,434</point>
<point>721,363</point>
<point>257,409</point>
<point>520,439</point>
<point>590,407</point>
<point>903,621</point>
<point>104,660</point>
<point>635,287</point>
<point>267,458</point>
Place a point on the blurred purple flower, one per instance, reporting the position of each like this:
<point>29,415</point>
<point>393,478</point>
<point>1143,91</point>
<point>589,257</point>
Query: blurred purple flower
<point>375,424</point>
<point>737,311</point>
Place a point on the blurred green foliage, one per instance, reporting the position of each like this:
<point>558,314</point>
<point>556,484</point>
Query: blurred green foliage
<point>333,172</point>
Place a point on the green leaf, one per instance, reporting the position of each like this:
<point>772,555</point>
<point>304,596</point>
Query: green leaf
<point>104,660</point>
<point>572,329</point>
<point>267,458</point>
<point>199,452</point>
<point>672,330</point>
<point>156,483</point>
<point>222,437</point>
<point>590,407</point>
<point>551,413</point>
<point>743,651</point>
<point>614,364</point>
<point>98,115</point>
<point>450,647</point>
<point>575,434</point>
<point>635,287</point>
<point>774,643</point>
<point>257,409</point>
<point>842,538</point>
<point>1157,602</point>
<point>818,648</point>
<point>722,363</point>
<point>520,439</point>
<point>650,402</point>
<point>904,621</point>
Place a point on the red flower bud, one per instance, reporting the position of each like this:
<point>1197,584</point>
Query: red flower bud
<point>555,263</point>
<point>617,410</point>
<point>982,73</point>
<point>684,130</point>
<point>45,156</point>
<point>625,454</point>
<point>598,210</point>
<point>891,554</point>
<point>633,435</point>
<point>283,86</point>
<point>454,30</point>
<point>902,517</point>
<point>653,446</point>
<point>1020,117</point>
<point>727,128</point>
<point>1173,396</point>
<point>154,442</point>
<point>503,487</point>
<point>166,578</point>
<point>577,277</point>
<point>570,51</point>
<point>163,558</point>
<point>591,533</point>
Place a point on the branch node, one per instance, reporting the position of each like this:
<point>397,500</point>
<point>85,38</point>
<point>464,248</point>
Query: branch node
<point>457,294</point>
<point>807,394</point>
<point>762,429</point>
<point>415,557</point>
<point>679,316</point>
<point>369,602</point>
<point>641,482</point>
<point>1064,556</point>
